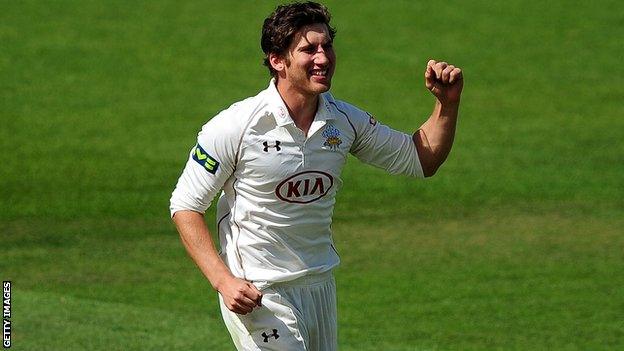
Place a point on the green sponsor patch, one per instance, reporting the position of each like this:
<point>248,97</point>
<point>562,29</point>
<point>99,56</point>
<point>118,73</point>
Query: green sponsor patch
<point>207,161</point>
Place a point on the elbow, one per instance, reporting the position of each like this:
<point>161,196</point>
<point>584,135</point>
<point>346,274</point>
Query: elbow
<point>429,164</point>
<point>429,170</point>
<point>429,160</point>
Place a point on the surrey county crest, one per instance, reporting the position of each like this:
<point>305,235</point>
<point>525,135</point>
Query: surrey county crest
<point>332,137</point>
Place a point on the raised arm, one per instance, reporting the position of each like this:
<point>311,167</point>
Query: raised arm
<point>239,296</point>
<point>434,138</point>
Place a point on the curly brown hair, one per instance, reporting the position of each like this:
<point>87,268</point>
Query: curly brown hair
<point>280,27</point>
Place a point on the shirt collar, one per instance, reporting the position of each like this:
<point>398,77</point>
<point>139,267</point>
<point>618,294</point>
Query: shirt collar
<point>280,112</point>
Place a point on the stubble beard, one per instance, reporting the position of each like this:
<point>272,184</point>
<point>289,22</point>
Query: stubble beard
<point>305,84</point>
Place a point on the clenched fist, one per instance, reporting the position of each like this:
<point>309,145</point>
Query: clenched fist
<point>240,296</point>
<point>445,81</point>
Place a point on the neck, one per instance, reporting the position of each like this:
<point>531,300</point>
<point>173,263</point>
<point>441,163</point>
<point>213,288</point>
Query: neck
<point>301,107</point>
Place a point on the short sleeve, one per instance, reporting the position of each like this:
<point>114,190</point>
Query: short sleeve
<point>210,163</point>
<point>381,146</point>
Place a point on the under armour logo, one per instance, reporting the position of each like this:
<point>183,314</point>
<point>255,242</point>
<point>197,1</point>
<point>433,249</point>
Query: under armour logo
<point>276,146</point>
<point>266,337</point>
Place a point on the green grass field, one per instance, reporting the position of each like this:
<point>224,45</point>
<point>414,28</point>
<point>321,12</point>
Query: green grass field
<point>516,244</point>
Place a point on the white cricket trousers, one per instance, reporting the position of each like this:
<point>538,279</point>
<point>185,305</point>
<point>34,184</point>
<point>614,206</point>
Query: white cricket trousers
<point>295,316</point>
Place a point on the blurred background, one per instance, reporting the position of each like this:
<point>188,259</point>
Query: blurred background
<point>516,244</point>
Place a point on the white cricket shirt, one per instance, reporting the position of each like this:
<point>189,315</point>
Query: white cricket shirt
<point>279,186</point>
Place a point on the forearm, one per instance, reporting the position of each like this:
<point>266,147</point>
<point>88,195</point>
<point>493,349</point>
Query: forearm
<point>434,138</point>
<point>199,245</point>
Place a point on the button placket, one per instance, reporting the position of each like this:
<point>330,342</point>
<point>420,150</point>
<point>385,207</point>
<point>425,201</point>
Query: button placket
<point>299,139</point>
<point>303,152</point>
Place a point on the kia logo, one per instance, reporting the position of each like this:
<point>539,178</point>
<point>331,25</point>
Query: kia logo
<point>304,187</point>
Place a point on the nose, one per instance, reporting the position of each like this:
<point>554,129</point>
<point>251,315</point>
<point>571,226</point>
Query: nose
<point>321,56</point>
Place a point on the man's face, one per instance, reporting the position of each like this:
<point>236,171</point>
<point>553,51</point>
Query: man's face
<point>310,60</point>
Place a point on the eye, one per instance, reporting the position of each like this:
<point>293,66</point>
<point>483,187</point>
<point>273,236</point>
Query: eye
<point>308,49</point>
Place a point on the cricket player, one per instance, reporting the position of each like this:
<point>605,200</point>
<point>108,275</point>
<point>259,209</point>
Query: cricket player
<point>276,159</point>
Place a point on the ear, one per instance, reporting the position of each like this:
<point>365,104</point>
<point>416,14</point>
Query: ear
<point>277,62</point>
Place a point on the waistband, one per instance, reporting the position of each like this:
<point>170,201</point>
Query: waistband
<point>303,281</point>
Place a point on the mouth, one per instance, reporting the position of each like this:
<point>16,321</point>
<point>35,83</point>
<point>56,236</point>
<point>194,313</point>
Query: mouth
<point>320,73</point>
